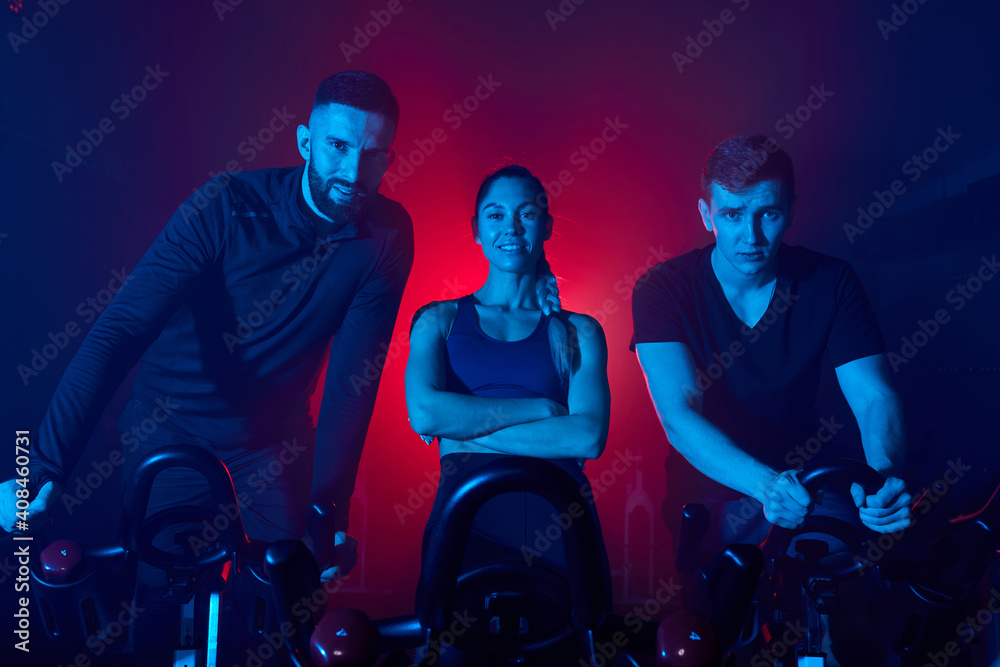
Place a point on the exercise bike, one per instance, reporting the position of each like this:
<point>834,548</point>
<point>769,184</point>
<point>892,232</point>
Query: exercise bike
<point>89,600</point>
<point>489,613</point>
<point>925,582</point>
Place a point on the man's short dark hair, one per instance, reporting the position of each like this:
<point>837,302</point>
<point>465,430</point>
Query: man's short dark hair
<point>362,90</point>
<point>740,162</point>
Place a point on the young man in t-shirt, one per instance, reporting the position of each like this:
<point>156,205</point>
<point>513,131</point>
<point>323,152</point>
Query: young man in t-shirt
<point>731,339</point>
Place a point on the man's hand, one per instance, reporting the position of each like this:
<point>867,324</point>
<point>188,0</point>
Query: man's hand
<point>345,555</point>
<point>39,505</point>
<point>888,510</point>
<point>786,501</point>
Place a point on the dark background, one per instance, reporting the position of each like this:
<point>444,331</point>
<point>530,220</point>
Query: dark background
<point>889,91</point>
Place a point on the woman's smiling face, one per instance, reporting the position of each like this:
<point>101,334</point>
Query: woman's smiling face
<point>511,226</point>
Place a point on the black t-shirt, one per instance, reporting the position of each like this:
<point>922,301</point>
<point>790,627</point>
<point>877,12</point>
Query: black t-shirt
<point>758,384</point>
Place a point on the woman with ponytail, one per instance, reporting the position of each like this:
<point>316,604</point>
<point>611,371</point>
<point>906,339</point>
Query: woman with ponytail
<point>506,371</point>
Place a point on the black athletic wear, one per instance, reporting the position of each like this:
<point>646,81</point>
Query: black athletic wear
<point>758,384</point>
<point>479,365</point>
<point>232,310</point>
<point>482,366</point>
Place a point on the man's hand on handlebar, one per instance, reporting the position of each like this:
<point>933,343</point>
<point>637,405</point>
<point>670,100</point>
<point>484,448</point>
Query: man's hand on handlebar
<point>41,503</point>
<point>888,510</point>
<point>345,556</point>
<point>786,501</point>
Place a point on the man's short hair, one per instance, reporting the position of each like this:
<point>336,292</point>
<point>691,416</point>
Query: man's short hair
<point>740,162</point>
<point>362,90</point>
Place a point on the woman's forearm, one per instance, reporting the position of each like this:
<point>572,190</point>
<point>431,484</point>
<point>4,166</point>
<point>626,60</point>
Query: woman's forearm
<point>447,414</point>
<point>568,437</point>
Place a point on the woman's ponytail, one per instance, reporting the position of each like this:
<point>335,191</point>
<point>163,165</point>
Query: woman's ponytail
<point>547,292</point>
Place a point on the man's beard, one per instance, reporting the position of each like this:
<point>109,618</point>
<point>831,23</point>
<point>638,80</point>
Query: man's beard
<point>341,214</point>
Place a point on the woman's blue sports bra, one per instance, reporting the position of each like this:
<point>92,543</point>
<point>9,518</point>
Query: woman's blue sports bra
<point>479,365</point>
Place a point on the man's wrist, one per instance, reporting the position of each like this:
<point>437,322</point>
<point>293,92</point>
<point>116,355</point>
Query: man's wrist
<point>764,478</point>
<point>886,468</point>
